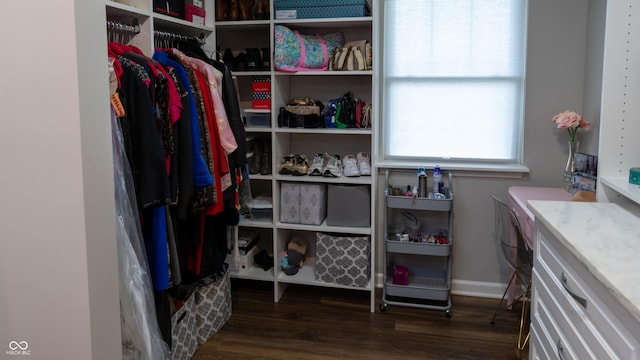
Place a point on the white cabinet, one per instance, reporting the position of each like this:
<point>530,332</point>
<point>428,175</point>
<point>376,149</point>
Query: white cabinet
<point>584,305</point>
<point>619,148</point>
<point>238,36</point>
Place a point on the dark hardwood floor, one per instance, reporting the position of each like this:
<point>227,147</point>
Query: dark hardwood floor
<point>323,323</point>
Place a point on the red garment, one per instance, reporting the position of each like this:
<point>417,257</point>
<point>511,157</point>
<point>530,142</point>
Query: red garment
<point>220,160</point>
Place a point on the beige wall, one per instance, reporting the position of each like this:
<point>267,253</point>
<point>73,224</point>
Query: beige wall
<point>58,264</point>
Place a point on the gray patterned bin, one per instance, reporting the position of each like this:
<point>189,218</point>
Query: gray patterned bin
<point>213,307</point>
<point>184,344</point>
<point>343,259</point>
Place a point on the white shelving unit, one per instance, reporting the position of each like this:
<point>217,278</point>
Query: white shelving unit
<point>619,148</point>
<point>141,12</point>
<point>322,86</point>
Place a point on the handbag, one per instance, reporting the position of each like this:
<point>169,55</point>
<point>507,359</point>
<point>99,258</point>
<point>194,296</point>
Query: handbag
<point>294,51</point>
<point>355,55</point>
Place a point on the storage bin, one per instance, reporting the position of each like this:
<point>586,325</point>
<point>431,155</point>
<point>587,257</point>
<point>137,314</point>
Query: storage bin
<point>313,203</point>
<point>244,260</point>
<point>183,343</point>
<point>308,9</point>
<point>290,203</point>
<point>257,117</point>
<point>212,304</point>
<point>303,203</point>
<point>349,205</point>
<point>343,259</point>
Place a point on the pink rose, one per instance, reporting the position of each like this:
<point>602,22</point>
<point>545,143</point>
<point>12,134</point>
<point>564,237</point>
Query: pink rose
<point>570,119</point>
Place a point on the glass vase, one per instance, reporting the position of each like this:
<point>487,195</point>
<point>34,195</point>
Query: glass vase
<point>570,166</point>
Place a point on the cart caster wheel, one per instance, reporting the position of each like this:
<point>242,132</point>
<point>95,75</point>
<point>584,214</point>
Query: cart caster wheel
<point>448,314</point>
<point>383,307</point>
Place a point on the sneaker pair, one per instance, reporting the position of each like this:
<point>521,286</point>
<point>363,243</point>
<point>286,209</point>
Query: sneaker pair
<point>297,165</point>
<point>354,166</point>
<point>326,165</point>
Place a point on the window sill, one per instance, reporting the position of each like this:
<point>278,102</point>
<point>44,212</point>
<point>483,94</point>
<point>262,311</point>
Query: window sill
<point>514,171</point>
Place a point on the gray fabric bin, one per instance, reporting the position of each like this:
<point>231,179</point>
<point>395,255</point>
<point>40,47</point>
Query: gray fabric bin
<point>349,205</point>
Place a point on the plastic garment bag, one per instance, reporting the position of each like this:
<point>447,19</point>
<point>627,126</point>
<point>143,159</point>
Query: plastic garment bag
<point>141,338</point>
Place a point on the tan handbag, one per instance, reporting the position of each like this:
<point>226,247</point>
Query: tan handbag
<point>355,55</point>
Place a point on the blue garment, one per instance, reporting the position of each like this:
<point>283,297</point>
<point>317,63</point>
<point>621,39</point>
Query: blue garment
<point>201,174</point>
<point>155,234</point>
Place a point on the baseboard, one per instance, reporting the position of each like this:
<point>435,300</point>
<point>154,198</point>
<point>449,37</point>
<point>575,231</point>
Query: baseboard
<point>468,288</point>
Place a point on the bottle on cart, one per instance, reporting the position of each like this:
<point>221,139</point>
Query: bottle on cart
<point>437,180</point>
<point>422,182</point>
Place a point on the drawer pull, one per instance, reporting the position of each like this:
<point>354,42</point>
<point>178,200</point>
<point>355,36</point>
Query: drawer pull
<point>582,301</point>
<point>560,349</point>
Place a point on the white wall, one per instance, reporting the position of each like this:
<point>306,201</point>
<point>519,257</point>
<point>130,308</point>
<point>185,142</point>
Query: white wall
<point>58,264</point>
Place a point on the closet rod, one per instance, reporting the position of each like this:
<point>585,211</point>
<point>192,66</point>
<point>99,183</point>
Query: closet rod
<point>169,36</point>
<point>115,26</point>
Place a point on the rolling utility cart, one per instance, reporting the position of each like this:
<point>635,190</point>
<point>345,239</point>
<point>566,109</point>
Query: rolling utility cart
<point>417,252</point>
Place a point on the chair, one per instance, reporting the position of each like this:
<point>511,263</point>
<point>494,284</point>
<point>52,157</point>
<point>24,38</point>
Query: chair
<point>520,258</point>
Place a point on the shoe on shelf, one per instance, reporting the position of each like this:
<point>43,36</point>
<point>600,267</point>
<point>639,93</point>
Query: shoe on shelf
<point>350,166</point>
<point>300,165</point>
<point>286,165</point>
<point>364,163</point>
<point>265,166</point>
<point>317,167</point>
<point>254,155</point>
<point>333,167</point>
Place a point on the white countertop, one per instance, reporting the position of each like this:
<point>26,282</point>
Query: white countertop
<point>604,237</point>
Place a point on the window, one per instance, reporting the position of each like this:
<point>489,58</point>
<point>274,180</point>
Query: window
<point>453,81</point>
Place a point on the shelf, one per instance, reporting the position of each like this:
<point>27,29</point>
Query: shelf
<point>325,228</point>
<point>410,247</point>
<point>255,272</point>
<point>360,180</point>
<point>179,25</point>
<point>243,25</point>
<point>324,73</point>
<point>115,9</point>
<point>251,73</point>
<point>265,224</point>
<point>420,288</point>
<point>324,131</point>
<point>623,187</point>
<point>327,23</point>
<point>306,276</point>
<point>409,203</point>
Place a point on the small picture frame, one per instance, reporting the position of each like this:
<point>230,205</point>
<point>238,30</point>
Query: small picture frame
<point>585,174</point>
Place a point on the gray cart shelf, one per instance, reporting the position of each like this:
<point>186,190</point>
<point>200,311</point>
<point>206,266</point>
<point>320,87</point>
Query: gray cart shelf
<point>429,264</point>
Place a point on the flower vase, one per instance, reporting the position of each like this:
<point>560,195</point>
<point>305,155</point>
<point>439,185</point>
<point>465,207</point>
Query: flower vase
<point>570,167</point>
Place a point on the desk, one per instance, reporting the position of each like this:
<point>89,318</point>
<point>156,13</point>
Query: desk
<point>518,197</point>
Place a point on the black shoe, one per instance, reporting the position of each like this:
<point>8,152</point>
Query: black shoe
<point>265,166</point>
<point>255,156</point>
<point>228,59</point>
<point>254,61</point>
<point>241,62</point>
<point>266,56</point>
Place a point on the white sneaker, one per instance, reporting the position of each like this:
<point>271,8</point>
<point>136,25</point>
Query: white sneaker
<point>333,167</point>
<point>350,166</point>
<point>317,167</point>
<point>364,164</point>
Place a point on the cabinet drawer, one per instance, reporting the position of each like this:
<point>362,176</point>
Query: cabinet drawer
<point>559,327</point>
<point>561,274</point>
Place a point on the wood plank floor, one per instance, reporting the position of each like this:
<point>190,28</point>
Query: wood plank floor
<point>322,323</point>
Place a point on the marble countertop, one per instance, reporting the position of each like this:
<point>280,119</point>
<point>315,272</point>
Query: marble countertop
<point>604,237</point>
